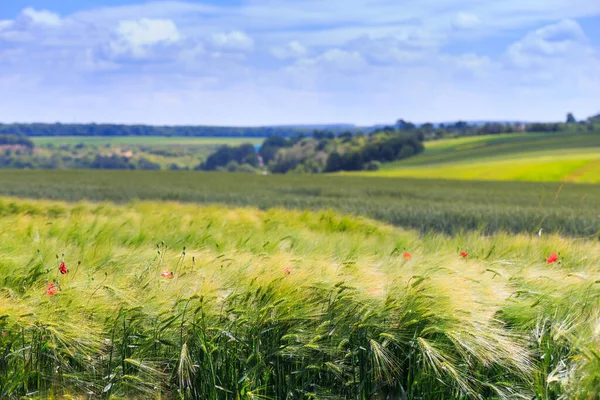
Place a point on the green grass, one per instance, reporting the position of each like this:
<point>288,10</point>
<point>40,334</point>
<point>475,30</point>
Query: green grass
<point>143,140</point>
<point>425,205</point>
<point>522,157</point>
<point>286,304</point>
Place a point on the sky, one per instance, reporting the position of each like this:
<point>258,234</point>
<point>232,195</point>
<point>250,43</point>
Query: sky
<point>271,62</point>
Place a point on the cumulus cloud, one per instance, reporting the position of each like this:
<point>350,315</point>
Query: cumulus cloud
<point>234,40</point>
<point>291,50</point>
<point>29,24</point>
<point>42,17</point>
<point>551,41</point>
<point>136,37</point>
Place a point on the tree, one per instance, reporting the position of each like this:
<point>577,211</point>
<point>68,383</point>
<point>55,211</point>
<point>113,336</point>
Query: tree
<point>345,136</point>
<point>403,125</point>
<point>372,166</point>
<point>352,161</point>
<point>461,126</point>
<point>571,119</point>
<point>334,162</point>
<point>243,154</point>
<point>271,146</point>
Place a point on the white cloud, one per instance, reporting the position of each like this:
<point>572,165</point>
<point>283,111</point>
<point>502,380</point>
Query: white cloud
<point>291,50</point>
<point>5,24</point>
<point>464,20</point>
<point>564,30</point>
<point>146,32</point>
<point>552,41</point>
<point>42,17</point>
<point>234,40</point>
<point>137,36</point>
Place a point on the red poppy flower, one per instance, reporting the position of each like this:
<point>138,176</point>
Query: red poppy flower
<point>464,254</point>
<point>167,274</point>
<point>407,256</point>
<point>62,268</point>
<point>51,290</point>
<point>287,271</point>
<point>552,258</point>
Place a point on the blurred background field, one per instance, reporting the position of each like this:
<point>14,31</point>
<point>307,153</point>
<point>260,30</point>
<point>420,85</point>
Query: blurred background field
<point>144,152</point>
<point>423,204</point>
<point>143,140</point>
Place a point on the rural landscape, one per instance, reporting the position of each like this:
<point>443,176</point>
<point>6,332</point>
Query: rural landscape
<point>298,200</point>
<point>467,270</point>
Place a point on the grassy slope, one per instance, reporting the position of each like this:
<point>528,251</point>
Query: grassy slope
<point>446,206</point>
<point>352,318</point>
<point>524,157</point>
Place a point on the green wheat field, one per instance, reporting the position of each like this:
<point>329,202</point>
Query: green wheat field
<point>187,285</point>
<point>164,300</point>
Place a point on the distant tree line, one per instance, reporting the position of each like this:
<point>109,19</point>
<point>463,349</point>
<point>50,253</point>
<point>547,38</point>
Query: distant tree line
<point>58,129</point>
<point>429,131</point>
<point>326,131</point>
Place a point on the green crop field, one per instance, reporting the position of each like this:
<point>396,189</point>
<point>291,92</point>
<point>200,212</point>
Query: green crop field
<point>159,300</point>
<point>143,140</point>
<point>191,285</point>
<point>524,157</point>
<point>426,205</point>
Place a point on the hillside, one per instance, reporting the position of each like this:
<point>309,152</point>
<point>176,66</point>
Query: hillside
<point>525,157</point>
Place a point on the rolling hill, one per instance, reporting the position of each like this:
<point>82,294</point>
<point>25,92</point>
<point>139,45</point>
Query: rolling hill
<point>523,157</point>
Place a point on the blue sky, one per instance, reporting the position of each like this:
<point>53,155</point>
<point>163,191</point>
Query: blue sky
<point>259,62</point>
